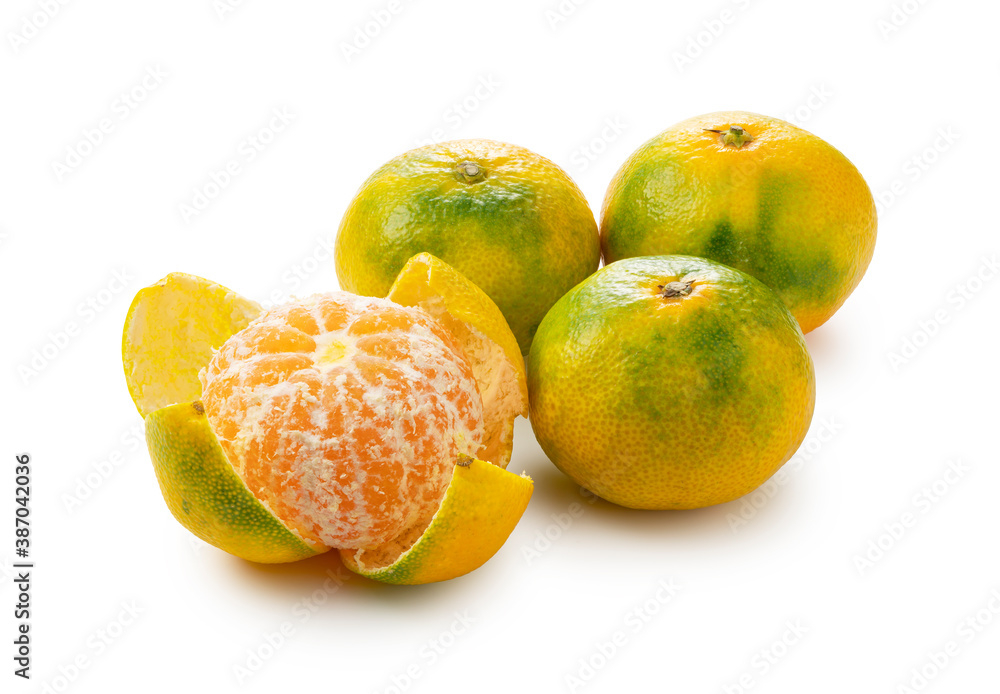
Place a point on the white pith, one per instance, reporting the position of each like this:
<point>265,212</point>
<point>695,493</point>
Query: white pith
<point>337,462</point>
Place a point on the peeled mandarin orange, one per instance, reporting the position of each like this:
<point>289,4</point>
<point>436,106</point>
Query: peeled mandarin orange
<point>335,421</point>
<point>344,415</point>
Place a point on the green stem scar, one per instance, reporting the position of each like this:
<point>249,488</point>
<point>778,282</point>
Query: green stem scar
<point>735,136</point>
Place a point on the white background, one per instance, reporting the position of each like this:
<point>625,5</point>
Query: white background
<point>880,84</point>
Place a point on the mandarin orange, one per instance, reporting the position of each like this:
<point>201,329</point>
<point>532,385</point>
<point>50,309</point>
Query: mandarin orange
<point>344,415</point>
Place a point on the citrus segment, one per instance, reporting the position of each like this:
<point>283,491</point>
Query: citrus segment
<point>171,331</point>
<point>208,498</point>
<point>480,509</point>
<point>490,346</point>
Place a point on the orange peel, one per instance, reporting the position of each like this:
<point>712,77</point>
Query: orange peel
<point>204,490</point>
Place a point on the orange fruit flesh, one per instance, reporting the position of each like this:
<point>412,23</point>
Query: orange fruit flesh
<point>344,415</point>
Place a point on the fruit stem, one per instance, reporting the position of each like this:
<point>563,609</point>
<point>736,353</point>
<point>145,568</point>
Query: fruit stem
<point>672,289</point>
<point>470,171</point>
<point>735,136</point>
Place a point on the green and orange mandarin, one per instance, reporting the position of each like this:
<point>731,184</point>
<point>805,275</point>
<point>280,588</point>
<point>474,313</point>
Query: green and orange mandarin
<point>378,427</point>
<point>752,192</point>
<point>508,219</point>
<point>670,382</point>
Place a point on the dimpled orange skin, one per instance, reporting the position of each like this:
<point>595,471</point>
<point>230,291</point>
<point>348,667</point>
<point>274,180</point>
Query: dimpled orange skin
<point>520,228</point>
<point>785,207</point>
<point>344,415</point>
<point>680,402</point>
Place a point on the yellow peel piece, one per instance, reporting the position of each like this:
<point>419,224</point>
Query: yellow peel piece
<point>480,509</point>
<point>490,346</point>
<point>206,495</point>
<point>171,330</point>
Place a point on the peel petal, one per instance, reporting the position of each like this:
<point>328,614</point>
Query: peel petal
<point>205,494</point>
<point>497,364</point>
<point>171,330</point>
<point>480,509</point>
